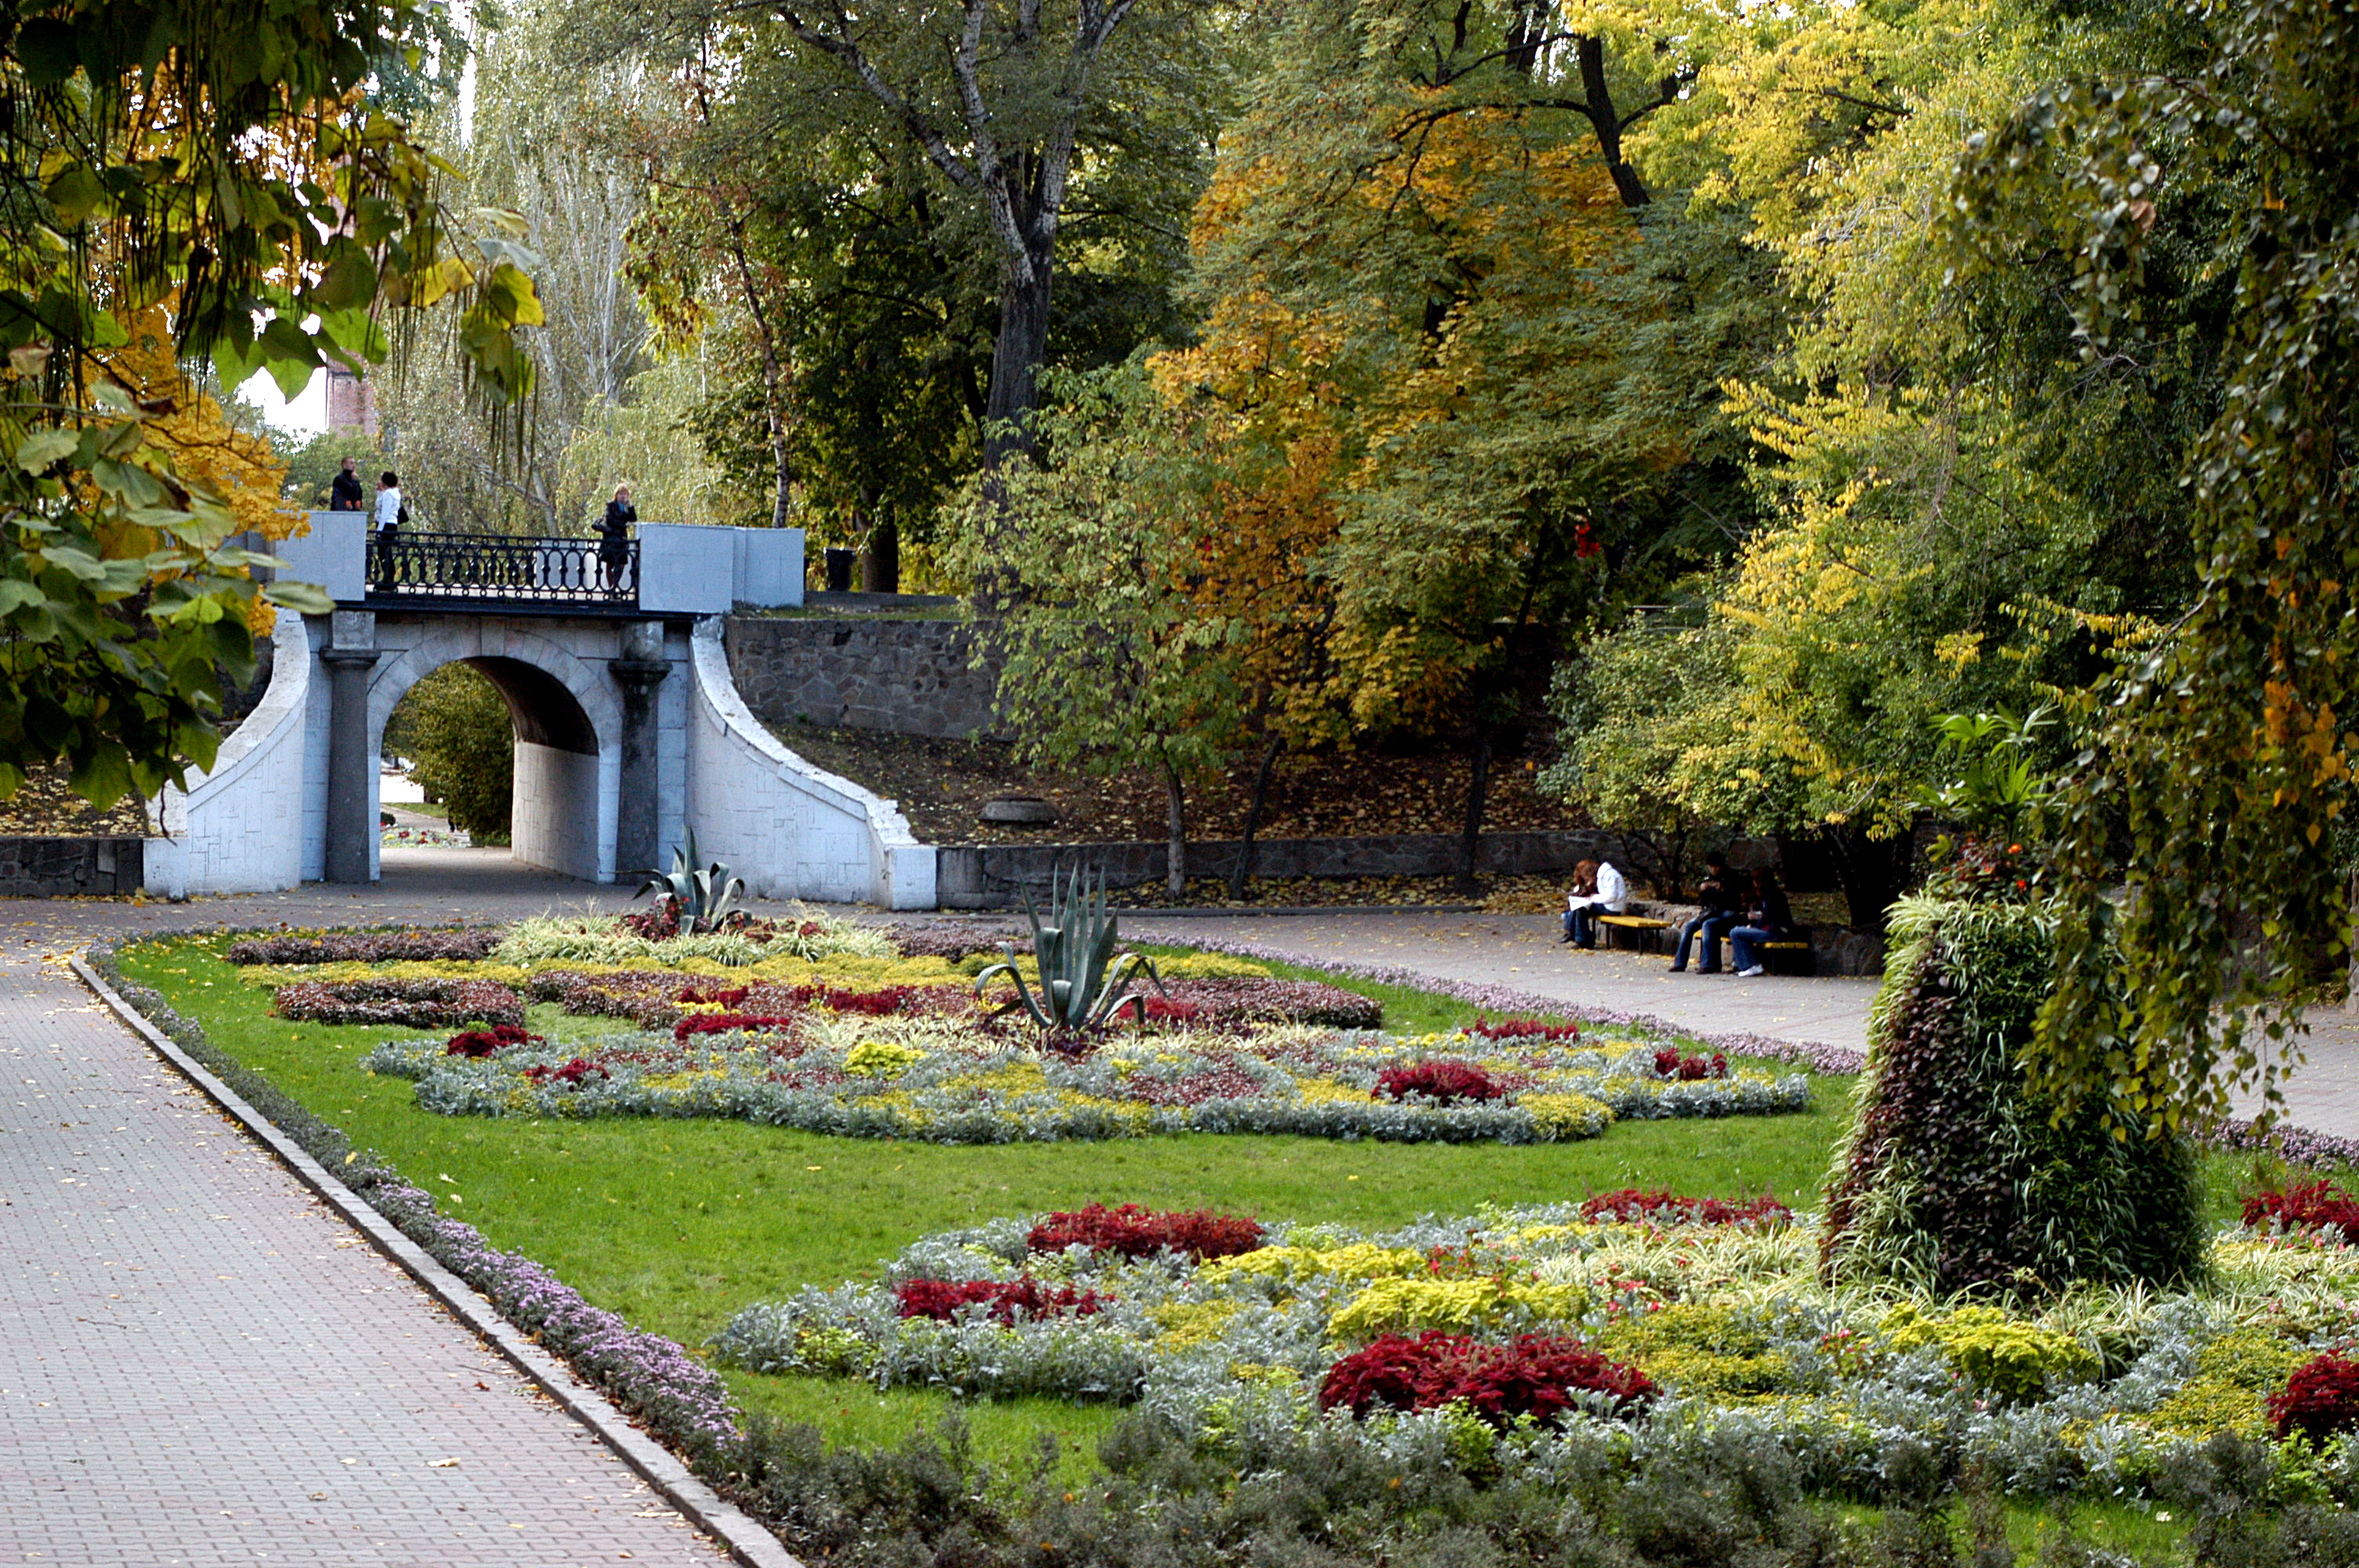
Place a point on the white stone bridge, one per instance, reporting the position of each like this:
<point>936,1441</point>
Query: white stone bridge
<point>629,731</point>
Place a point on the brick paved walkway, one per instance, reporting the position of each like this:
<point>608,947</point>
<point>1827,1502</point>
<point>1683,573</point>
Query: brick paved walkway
<point>199,1363</point>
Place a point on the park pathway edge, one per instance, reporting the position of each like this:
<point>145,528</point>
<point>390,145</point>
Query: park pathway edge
<point>746,1539</point>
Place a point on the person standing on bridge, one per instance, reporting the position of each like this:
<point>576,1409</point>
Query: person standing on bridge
<point>615,536</point>
<point>392,511</point>
<point>344,490</point>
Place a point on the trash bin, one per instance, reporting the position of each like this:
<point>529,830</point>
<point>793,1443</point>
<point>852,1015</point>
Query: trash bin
<point>839,569</point>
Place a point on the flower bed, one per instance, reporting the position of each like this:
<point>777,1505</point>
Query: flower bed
<point>464,945</point>
<point>418,1004</point>
<point>1698,1326</point>
<point>944,1079</point>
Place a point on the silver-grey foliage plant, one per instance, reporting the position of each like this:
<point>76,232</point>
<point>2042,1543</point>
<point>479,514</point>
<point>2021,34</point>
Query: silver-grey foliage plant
<point>703,896</point>
<point>1082,977</point>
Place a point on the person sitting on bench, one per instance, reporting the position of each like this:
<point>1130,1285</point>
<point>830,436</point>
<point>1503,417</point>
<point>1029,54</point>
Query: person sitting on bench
<point>1722,897</point>
<point>1609,893</point>
<point>1770,919</point>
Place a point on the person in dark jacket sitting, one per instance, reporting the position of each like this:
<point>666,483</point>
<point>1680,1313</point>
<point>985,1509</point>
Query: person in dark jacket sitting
<point>1722,897</point>
<point>1770,919</point>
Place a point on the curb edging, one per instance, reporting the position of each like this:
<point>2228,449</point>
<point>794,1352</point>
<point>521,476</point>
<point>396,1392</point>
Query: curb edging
<point>744,1537</point>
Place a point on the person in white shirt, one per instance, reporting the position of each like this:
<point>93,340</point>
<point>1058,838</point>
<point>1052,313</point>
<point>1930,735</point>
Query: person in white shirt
<point>389,502</point>
<point>1608,893</point>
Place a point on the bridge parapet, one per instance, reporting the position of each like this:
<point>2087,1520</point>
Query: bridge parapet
<point>670,569</point>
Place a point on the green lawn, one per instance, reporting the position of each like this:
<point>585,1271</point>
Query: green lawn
<point>675,1225</point>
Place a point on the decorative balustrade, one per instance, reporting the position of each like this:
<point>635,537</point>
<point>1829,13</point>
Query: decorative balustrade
<point>406,564</point>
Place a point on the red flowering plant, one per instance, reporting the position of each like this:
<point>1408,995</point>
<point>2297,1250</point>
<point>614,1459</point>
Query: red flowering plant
<point>1522,1029</point>
<point>2305,1205</point>
<point>1630,1205</point>
<point>485,1042</point>
<point>697,1023</point>
<point>572,1075</point>
<point>2319,1400</point>
<point>1135,1232</point>
<point>1670,1064</point>
<point>1438,1083</point>
<point>1007,1299</point>
<point>1537,1376</point>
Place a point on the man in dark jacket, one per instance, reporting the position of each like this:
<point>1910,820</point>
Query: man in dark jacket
<point>344,490</point>
<point>1722,901</point>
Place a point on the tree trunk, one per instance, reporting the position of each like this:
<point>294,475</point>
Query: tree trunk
<point>1015,359</point>
<point>1469,841</point>
<point>880,559</point>
<point>1608,121</point>
<point>1243,868</point>
<point>1176,800</point>
<point>1874,872</point>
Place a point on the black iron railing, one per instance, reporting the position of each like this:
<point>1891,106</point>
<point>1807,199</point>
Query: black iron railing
<point>403,563</point>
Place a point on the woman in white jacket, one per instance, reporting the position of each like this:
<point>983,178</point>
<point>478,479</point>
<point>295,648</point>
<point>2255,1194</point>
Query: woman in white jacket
<point>1609,894</point>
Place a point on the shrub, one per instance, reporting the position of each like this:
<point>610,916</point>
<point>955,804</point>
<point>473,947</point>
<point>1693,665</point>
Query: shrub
<point>418,1004</point>
<point>1405,1305</point>
<point>2305,1205</point>
<point>1008,1299</point>
<point>470,946</point>
<point>1565,1118</point>
<point>456,727</point>
<point>697,1023</point>
<point>485,1041</point>
<point>1670,1064</point>
<point>881,1059</point>
<point>1955,1175</point>
<point>1632,1206</point>
<point>2004,1356</point>
<point>1524,1029</point>
<point>1441,1083</point>
<point>2319,1400</point>
<point>1534,1375</point>
<point>1135,1232</point>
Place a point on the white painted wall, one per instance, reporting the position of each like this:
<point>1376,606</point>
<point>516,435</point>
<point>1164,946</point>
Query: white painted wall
<point>555,813</point>
<point>790,829</point>
<point>228,832</point>
<point>333,554</point>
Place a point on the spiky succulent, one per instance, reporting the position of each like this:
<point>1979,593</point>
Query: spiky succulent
<point>1082,977</point>
<point>701,897</point>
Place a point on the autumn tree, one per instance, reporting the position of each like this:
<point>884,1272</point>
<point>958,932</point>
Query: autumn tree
<point>1107,661</point>
<point>285,222</point>
<point>1518,346</point>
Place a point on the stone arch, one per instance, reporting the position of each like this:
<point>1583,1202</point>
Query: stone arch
<point>568,726</point>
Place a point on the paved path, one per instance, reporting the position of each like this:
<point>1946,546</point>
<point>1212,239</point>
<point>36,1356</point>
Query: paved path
<point>1522,951</point>
<point>199,1363</point>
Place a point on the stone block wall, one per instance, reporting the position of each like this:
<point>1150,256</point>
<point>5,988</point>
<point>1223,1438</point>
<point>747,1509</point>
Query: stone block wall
<point>988,876</point>
<point>862,672</point>
<point>59,868</point>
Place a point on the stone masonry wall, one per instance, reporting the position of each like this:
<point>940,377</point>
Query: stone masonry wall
<point>862,672</point>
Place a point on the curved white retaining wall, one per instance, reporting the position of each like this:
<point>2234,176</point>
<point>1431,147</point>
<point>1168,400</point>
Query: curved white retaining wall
<point>235,829</point>
<point>791,829</point>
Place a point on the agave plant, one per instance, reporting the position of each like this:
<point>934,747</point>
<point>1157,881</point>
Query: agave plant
<point>1082,977</point>
<point>701,897</point>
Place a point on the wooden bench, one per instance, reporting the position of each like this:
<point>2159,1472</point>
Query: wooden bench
<point>1794,957</point>
<point>1633,931</point>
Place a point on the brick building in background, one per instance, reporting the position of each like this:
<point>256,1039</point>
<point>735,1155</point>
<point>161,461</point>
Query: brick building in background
<point>351,405</point>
